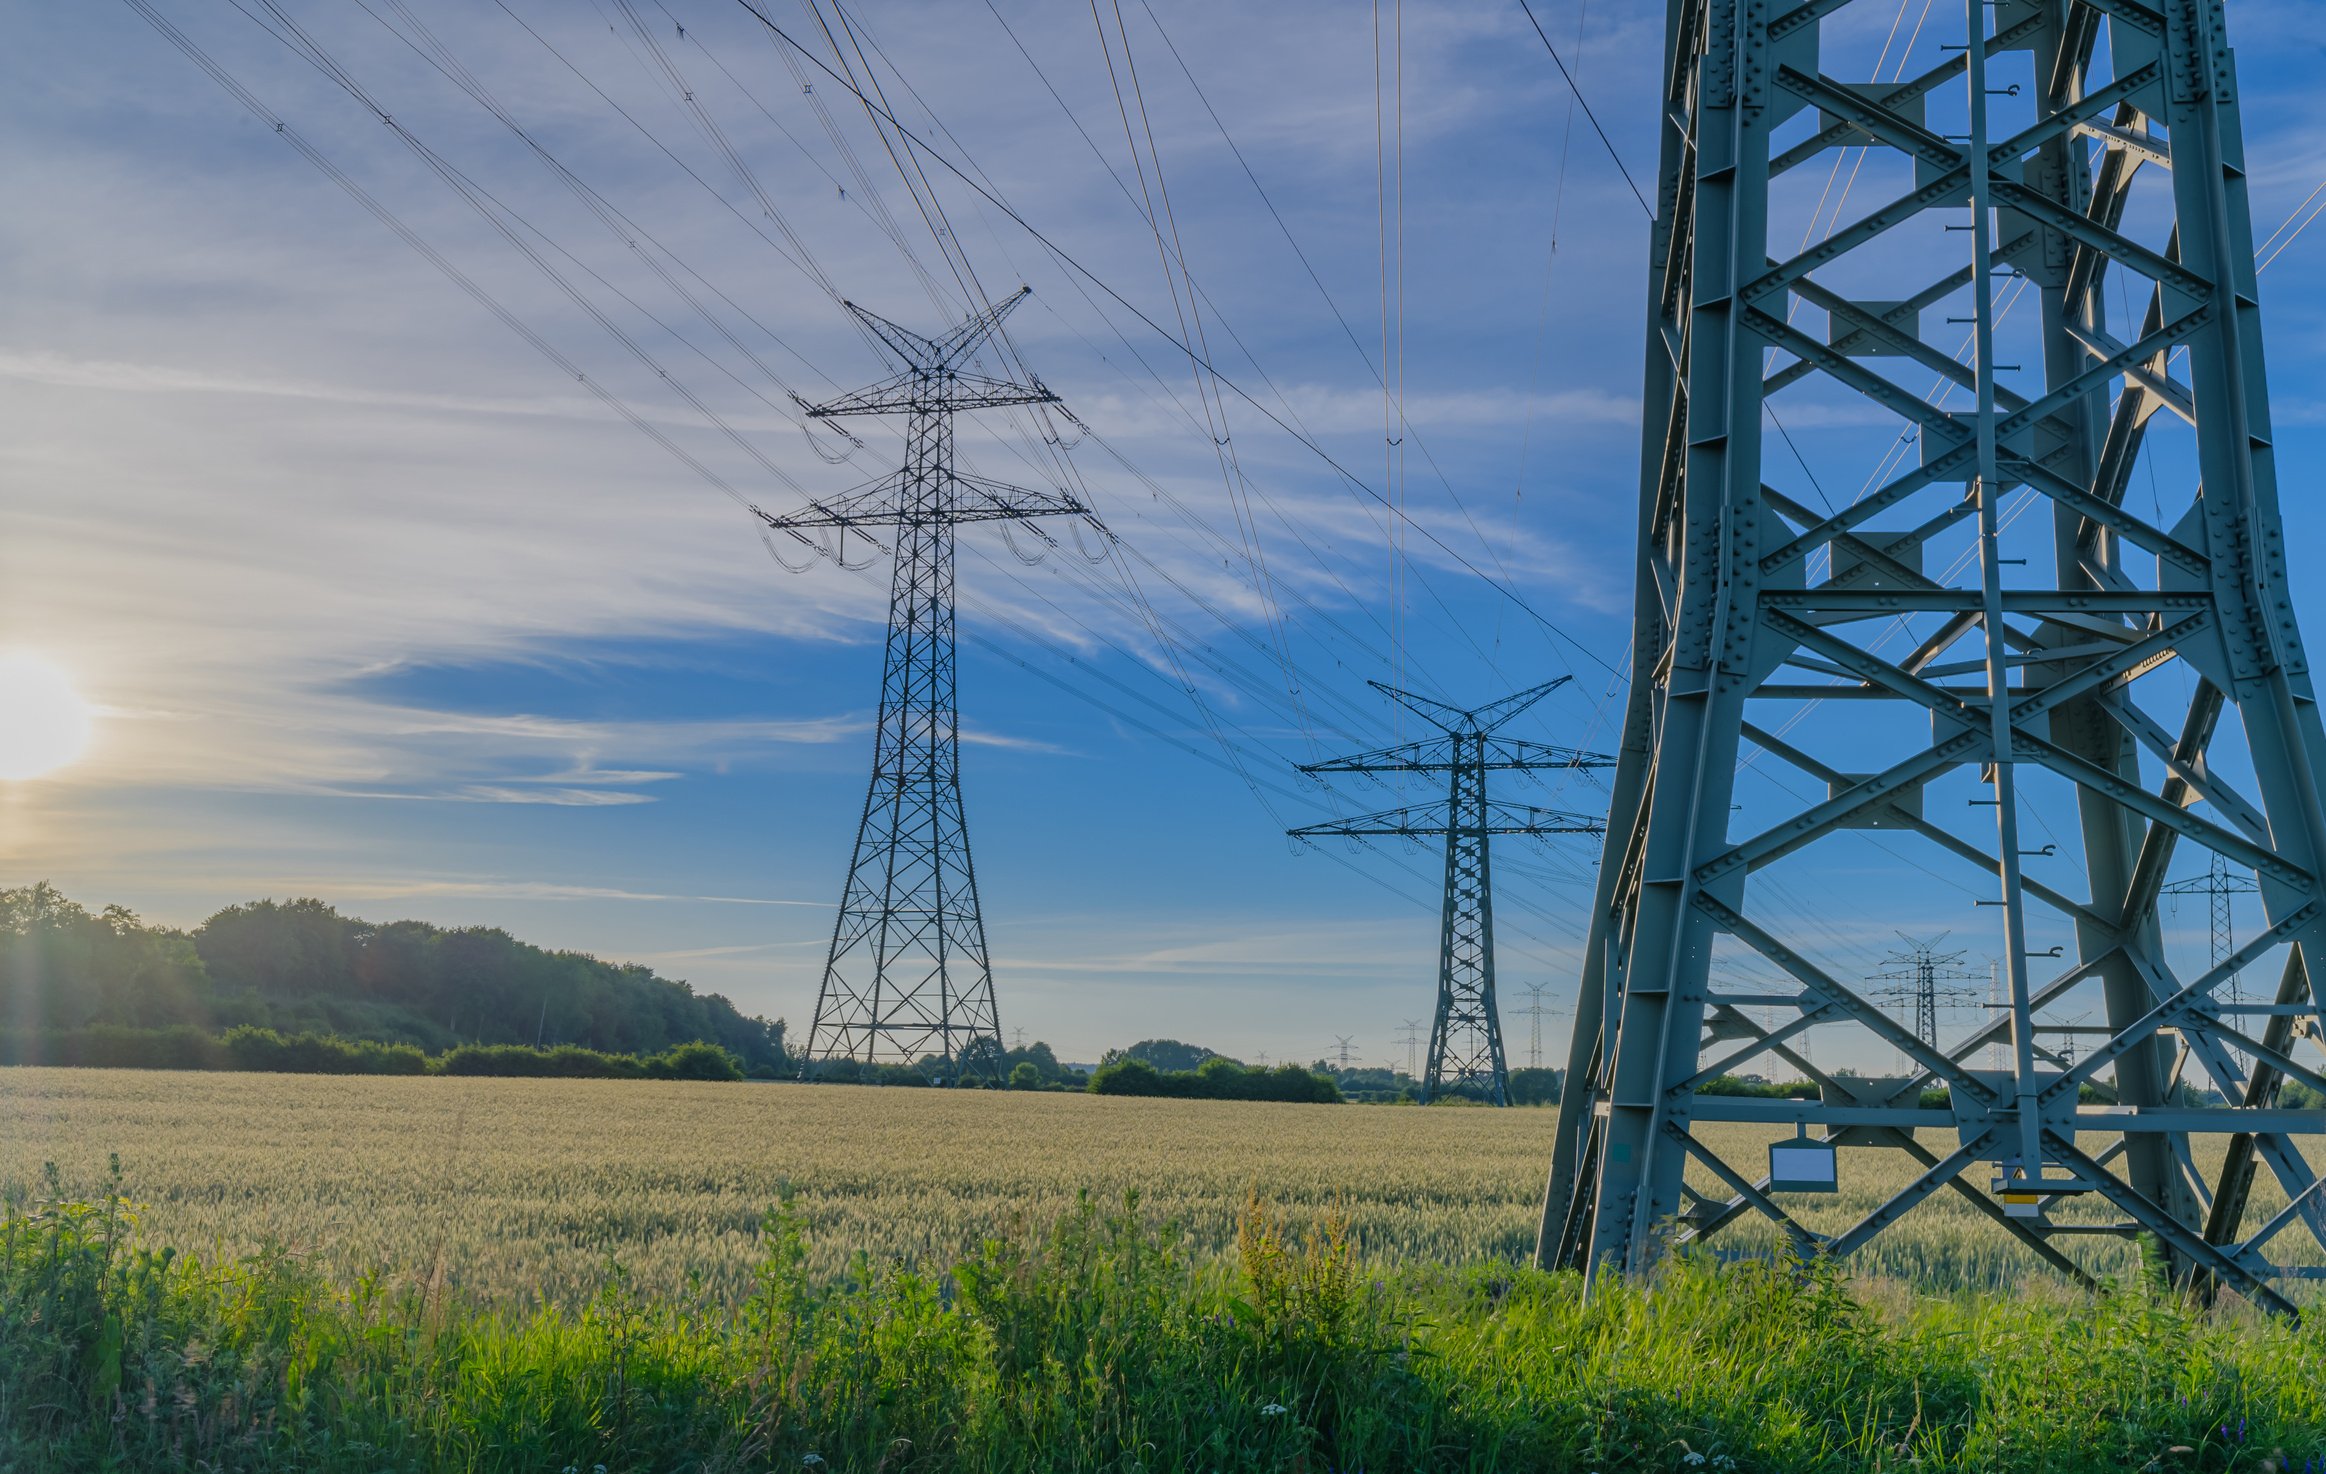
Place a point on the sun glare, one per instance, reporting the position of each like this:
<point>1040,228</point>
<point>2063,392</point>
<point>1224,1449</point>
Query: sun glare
<point>44,723</point>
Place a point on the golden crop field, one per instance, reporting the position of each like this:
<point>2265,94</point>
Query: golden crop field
<point>521,1190</point>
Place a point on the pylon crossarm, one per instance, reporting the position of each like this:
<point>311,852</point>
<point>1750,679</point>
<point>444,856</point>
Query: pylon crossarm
<point>1506,817</point>
<point>915,393</point>
<point>1495,713</point>
<point>1518,755</point>
<point>1429,821</point>
<point>964,340</point>
<point>1429,755</point>
<point>874,504</point>
<point>1424,821</point>
<point>890,396</point>
<point>976,391</point>
<point>915,350</point>
<point>1441,714</point>
<point>1440,755</point>
<point>980,500</point>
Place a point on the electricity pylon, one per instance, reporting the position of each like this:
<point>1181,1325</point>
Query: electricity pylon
<point>1924,975</point>
<point>1466,1038</point>
<point>1991,620</point>
<point>2217,885</point>
<point>1534,1011</point>
<point>908,975</point>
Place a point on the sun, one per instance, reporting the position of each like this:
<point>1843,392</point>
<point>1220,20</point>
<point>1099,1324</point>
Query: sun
<point>44,723</point>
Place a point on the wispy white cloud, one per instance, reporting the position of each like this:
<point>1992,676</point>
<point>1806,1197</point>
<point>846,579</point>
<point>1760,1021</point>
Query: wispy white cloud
<point>261,457</point>
<point>587,798</point>
<point>41,366</point>
<point>398,888</point>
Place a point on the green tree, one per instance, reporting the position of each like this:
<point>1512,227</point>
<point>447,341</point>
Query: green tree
<point>299,967</point>
<point>1170,1054</point>
<point>1041,1057</point>
<point>1534,1085</point>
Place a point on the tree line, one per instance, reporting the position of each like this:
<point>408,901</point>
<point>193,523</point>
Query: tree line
<point>244,1047</point>
<point>301,968</point>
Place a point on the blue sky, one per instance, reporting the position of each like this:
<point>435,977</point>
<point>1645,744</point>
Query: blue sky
<point>379,605</point>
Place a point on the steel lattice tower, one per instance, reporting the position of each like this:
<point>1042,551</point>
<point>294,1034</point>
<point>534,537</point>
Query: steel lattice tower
<point>1921,970</point>
<point>2217,885</point>
<point>2039,634</point>
<point>1465,1052</point>
<point>908,975</point>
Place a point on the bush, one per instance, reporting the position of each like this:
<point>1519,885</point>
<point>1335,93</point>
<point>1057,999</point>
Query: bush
<point>696,1061</point>
<point>1764,1089</point>
<point>1025,1075</point>
<point>249,1048</point>
<point>1219,1078</point>
<point>563,1062</point>
<point>113,1047</point>
<point>1129,1077</point>
<point>270,1051</point>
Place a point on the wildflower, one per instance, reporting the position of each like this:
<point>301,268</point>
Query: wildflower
<point>811,1460</point>
<point>1693,1460</point>
<point>1273,1410</point>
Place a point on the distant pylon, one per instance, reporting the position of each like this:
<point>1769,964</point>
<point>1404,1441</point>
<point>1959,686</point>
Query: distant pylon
<point>908,975</point>
<point>1924,975</point>
<point>1343,1041</point>
<point>2217,885</point>
<point>1466,1039</point>
<point>1411,1029</point>
<point>1534,1011</point>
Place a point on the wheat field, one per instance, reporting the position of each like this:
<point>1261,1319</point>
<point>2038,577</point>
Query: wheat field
<point>525,1191</point>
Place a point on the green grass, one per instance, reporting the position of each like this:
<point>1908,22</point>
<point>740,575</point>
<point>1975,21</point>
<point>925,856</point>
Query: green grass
<point>1093,1342</point>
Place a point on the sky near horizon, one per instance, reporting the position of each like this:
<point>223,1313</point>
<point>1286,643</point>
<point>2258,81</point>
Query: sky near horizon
<point>376,600</point>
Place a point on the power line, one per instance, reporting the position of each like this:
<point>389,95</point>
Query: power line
<point>1074,264</point>
<point>1585,103</point>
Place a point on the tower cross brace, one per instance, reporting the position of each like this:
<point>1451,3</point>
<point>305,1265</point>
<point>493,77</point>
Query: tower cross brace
<point>908,976</point>
<point>1465,1049</point>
